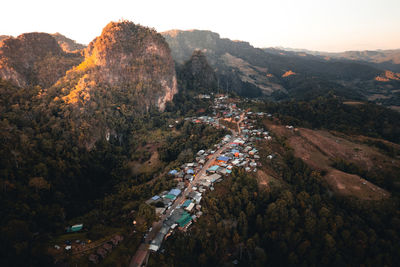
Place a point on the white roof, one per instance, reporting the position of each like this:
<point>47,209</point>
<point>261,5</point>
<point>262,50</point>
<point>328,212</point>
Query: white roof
<point>154,247</point>
<point>190,207</point>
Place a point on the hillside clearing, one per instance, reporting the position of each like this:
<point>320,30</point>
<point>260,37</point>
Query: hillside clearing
<point>320,149</point>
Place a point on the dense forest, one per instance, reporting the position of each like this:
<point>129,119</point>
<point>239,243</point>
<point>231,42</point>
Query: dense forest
<point>333,113</point>
<point>299,223</point>
<point>49,177</point>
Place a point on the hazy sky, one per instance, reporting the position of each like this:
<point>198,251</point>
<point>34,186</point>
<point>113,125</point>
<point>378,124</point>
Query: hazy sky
<point>325,25</point>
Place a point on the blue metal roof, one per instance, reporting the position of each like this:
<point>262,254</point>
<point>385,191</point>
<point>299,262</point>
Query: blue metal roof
<point>155,198</point>
<point>223,158</point>
<point>186,203</point>
<point>175,192</point>
<point>173,172</point>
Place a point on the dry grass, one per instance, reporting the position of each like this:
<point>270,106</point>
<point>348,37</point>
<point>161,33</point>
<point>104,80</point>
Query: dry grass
<point>148,166</point>
<point>266,181</point>
<point>353,185</point>
<point>319,149</point>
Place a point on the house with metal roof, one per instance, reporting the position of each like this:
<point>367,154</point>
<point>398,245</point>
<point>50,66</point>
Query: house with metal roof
<point>74,228</point>
<point>186,203</point>
<point>155,198</point>
<point>213,168</point>
<point>222,159</point>
<point>170,196</point>
<point>184,219</point>
<point>173,172</point>
<point>190,207</point>
<point>175,192</point>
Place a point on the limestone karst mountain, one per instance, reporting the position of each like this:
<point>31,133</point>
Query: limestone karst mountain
<point>126,59</point>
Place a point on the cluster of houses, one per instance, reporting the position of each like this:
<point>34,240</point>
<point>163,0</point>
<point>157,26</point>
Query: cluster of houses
<point>240,152</point>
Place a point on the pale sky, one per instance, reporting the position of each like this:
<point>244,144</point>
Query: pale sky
<point>323,25</point>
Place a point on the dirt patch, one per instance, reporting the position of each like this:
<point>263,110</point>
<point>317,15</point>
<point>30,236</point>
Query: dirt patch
<point>336,147</point>
<point>309,153</point>
<point>148,166</point>
<point>353,185</point>
<point>263,179</point>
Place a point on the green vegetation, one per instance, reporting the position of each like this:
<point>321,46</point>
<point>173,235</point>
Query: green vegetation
<point>331,113</point>
<point>182,148</point>
<point>50,179</point>
<point>299,224</point>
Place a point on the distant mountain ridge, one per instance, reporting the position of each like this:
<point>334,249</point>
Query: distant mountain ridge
<point>387,59</point>
<point>68,45</point>
<point>34,59</point>
<point>250,71</point>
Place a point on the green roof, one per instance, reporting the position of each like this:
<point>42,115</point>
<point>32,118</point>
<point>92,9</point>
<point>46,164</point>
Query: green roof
<point>184,219</point>
<point>213,168</point>
<point>169,196</point>
<point>75,228</point>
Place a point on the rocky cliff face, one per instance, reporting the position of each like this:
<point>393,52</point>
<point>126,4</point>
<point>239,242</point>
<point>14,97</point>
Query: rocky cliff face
<point>239,66</point>
<point>127,70</point>
<point>250,71</point>
<point>34,59</point>
<point>125,59</point>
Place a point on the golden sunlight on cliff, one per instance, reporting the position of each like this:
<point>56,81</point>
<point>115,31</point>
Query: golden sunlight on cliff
<point>388,76</point>
<point>288,73</point>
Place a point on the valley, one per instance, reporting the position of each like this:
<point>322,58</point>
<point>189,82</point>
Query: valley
<point>183,148</point>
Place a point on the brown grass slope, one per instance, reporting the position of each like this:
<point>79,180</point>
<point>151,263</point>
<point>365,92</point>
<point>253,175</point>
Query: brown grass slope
<point>320,149</point>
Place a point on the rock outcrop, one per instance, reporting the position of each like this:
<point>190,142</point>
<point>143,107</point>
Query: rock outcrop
<point>128,60</point>
<point>34,59</point>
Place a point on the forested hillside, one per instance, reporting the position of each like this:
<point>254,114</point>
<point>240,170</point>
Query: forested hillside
<point>334,113</point>
<point>297,223</point>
